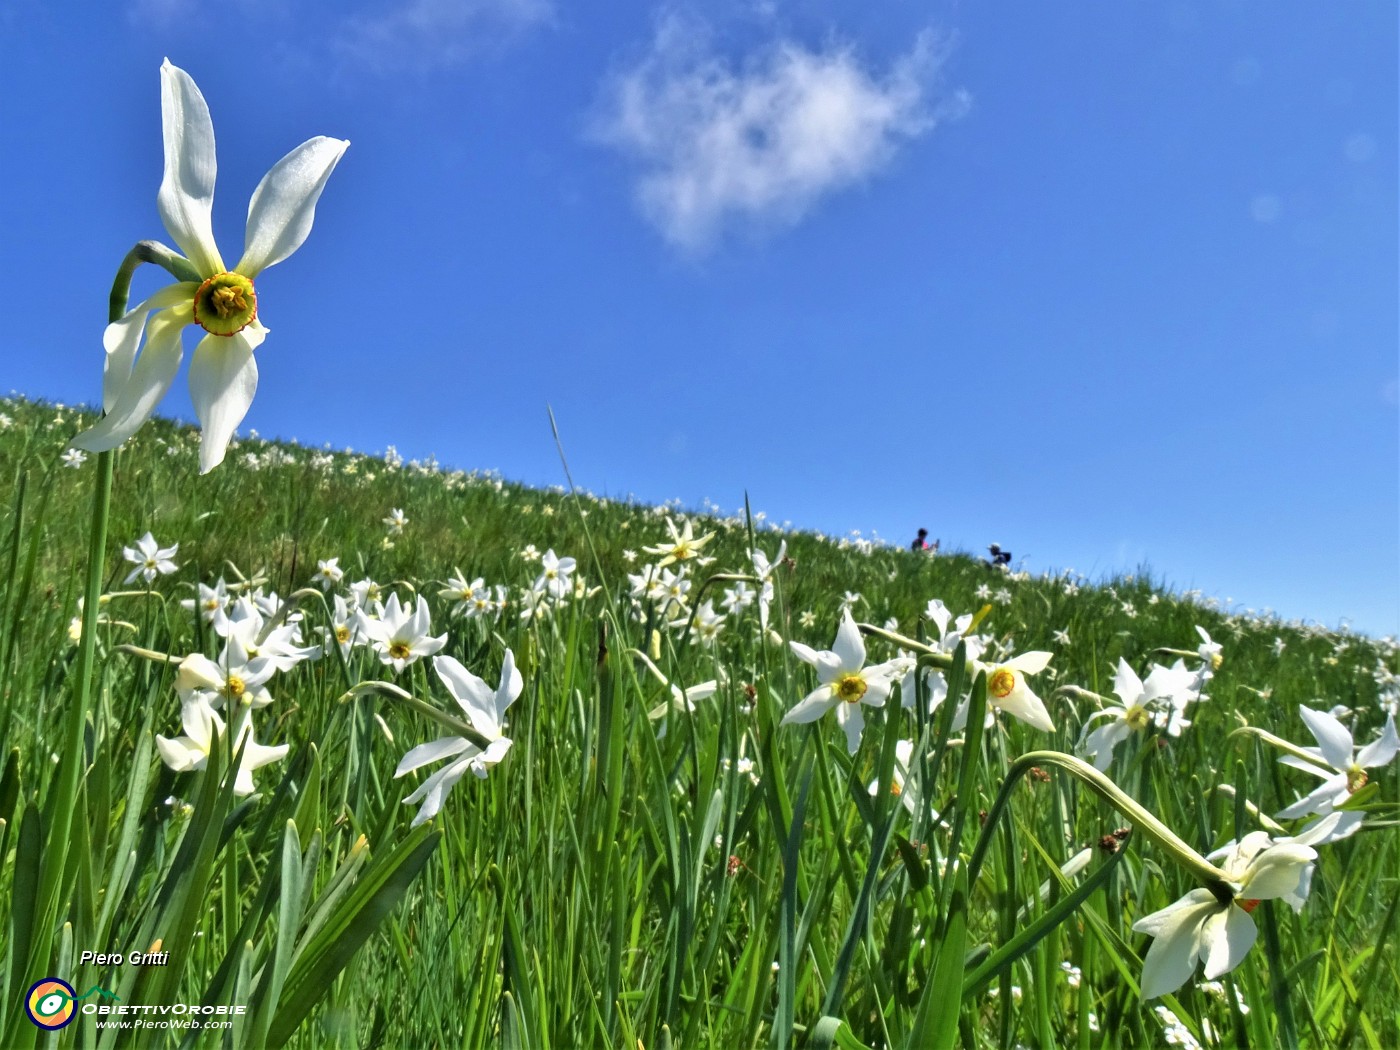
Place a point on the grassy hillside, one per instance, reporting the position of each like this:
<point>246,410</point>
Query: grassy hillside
<point>698,878</point>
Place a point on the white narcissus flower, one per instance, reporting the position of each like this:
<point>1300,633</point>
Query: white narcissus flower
<point>400,635</point>
<point>1345,770</point>
<point>485,710</point>
<point>150,558</point>
<point>1135,712</point>
<point>223,374</point>
<point>344,628</point>
<point>224,686</point>
<point>706,625</point>
<point>737,598</point>
<point>1321,832</point>
<point>1007,689</point>
<point>683,546</point>
<point>241,629</point>
<point>464,594</point>
<point>1210,653</point>
<point>210,602</point>
<point>899,783</point>
<point>765,570</point>
<point>1199,927</point>
<point>191,751</point>
<point>554,574</point>
<point>846,683</point>
<point>328,573</point>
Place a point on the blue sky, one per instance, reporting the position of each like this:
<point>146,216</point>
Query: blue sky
<point>1110,284</point>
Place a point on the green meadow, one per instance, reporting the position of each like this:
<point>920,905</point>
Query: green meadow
<point>658,860</point>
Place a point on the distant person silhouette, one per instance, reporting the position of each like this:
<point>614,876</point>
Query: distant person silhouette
<point>999,557</point>
<point>920,541</point>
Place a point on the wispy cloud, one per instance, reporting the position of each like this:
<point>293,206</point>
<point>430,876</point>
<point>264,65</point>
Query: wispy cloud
<point>433,34</point>
<point>762,140</point>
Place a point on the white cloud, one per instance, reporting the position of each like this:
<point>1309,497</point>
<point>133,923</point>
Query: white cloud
<point>428,34</point>
<point>764,141</point>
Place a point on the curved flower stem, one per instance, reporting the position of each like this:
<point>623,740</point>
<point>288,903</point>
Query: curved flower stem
<point>285,609</point>
<point>1283,745</point>
<point>73,759</point>
<point>149,654</point>
<point>1206,873</point>
<point>456,725</point>
<point>928,656</point>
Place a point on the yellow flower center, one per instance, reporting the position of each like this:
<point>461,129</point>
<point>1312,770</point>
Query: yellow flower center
<point>225,304</point>
<point>342,634</point>
<point>850,688</point>
<point>1356,779</point>
<point>1247,905</point>
<point>234,688</point>
<point>1216,659</point>
<point>1001,683</point>
<point>1137,718</point>
<point>399,650</point>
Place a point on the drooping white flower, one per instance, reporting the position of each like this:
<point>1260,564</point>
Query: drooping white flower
<point>150,558</point>
<point>367,596</point>
<point>846,683</point>
<point>765,570</point>
<point>1345,769</point>
<point>1200,928</point>
<point>706,624</point>
<point>223,374</point>
<point>899,782</point>
<point>463,594</point>
<point>1210,653</point>
<point>1008,690</point>
<point>937,686</point>
<point>191,751</point>
<point>344,629</point>
<point>485,710</point>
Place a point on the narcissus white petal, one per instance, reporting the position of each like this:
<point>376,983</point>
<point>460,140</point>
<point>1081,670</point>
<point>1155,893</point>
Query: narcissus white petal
<point>283,206</point>
<point>186,198</point>
<point>223,380</point>
<point>150,379</point>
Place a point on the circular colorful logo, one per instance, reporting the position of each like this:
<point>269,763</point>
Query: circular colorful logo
<point>50,1003</point>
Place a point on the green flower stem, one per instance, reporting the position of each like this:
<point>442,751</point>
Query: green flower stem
<point>149,654</point>
<point>928,656</point>
<point>1204,872</point>
<point>1074,692</point>
<point>73,760</point>
<point>285,609</point>
<point>456,725</point>
<point>719,577</point>
<point>1283,745</point>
